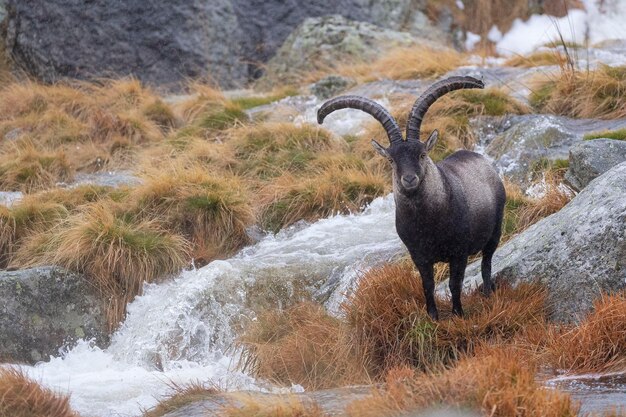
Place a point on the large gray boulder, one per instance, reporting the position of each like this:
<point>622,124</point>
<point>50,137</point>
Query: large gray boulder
<point>164,43</point>
<point>592,158</point>
<point>44,309</point>
<point>157,41</point>
<point>578,252</point>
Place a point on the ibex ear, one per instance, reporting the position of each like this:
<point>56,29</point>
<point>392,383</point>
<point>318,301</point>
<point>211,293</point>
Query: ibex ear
<point>380,149</point>
<point>432,140</point>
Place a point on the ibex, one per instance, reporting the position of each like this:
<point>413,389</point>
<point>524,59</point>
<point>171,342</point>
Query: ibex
<point>446,211</point>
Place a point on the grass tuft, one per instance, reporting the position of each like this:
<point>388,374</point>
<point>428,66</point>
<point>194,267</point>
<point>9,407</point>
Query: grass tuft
<point>268,150</point>
<point>537,59</point>
<point>23,397</point>
<point>289,199</point>
<point>182,396</point>
<point>595,93</point>
<point>619,134</point>
<point>497,382</point>
<point>27,168</point>
<point>301,345</point>
<point>598,343</point>
<point>404,63</point>
<point>211,211</point>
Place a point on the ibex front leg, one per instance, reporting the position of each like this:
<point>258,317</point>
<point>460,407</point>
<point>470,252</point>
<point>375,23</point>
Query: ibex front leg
<point>428,283</point>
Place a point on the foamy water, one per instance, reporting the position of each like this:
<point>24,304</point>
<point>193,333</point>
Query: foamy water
<point>181,331</point>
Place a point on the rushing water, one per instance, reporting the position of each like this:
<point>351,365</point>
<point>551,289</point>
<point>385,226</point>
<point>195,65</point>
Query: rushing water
<point>180,331</point>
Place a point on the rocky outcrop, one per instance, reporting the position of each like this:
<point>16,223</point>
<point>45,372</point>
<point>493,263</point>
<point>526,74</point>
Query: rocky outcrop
<point>43,309</point>
<point>156,41</point>
<point>325,41</point>
<point>592,158</point>
<point>578,252</point>
<point>519,145</point>
<point>164,44</point>
<point>267,24</point>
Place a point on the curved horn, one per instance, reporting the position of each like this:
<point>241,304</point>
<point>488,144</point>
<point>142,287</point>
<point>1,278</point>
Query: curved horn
<point>366,105</point>
<point>431,95</point>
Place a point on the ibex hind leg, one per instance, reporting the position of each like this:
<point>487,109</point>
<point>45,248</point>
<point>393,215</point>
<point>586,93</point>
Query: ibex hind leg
<point>485,267</point>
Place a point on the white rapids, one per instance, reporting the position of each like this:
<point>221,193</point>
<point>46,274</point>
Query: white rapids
<point>182,330</point>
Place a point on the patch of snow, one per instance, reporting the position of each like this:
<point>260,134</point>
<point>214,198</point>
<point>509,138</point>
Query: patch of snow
<point>494,34</point>
<point>471,40</point>
<point>524,37</point>
<point>599,21</point>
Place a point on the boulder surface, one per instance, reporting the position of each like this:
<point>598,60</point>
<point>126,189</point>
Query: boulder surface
<point>592,158</point>
<point>578,252</point>
<point>44,309</point>
<point>158,42</point>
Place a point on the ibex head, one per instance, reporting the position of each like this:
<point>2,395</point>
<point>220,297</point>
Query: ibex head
<point>408,157</point>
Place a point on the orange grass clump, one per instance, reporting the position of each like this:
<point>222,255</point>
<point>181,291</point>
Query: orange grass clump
<point>598,343</point>
<point>302,345</point>
<point>387,314</point>
<point>498,381</point>
<point>182,395</point>
<point>23,397</point>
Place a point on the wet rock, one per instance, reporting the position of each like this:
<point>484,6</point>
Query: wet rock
<point>325,41</point>
<point>333,402</point>
<point>8,198</point>
<point>157,42</point>
<point>44,309</point>
<point>107,179</point>
<point>578,252</point>
<point>520,144</point>
<point>330,86</point>
<point>592,158</point>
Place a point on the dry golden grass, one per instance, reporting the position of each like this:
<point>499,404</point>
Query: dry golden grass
<point>537,59</point>
<point>211,211</point>
<point>405,63</point>
<point>182,396</point>
<point>267,150</point>
<point>55,130</point>
<point>28,218</point>
<point>302,345</point>
<point>598,343</point>
<point>498,381</point>
<point>586,94</point>
<point>22,397</point>
<point>119,253</point>
<point>258,405</point>
<point>26,167</point>
<point>289,198</point>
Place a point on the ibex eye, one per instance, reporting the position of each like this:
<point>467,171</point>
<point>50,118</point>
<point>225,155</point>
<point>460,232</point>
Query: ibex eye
<point>422,156</point>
